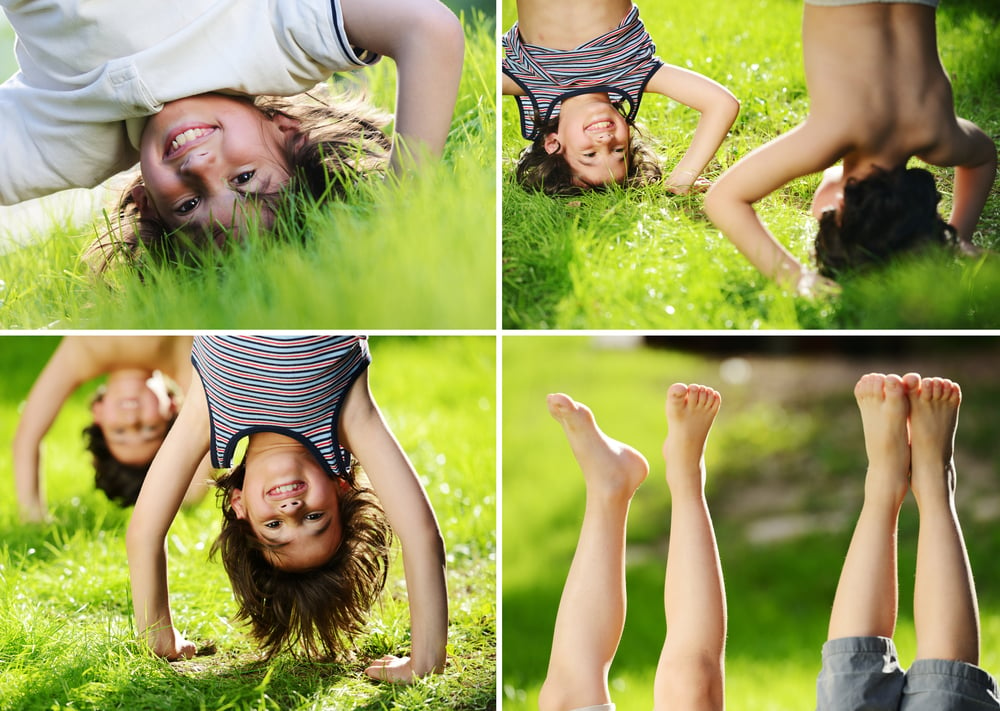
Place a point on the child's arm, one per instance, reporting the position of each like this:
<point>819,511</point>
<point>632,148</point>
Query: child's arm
<point>405,502</point>
<point>806,149</point>
<point>427,43</point>
<point>161,496</point>
<point>68,368</point>
<point>974,156</point>
<point>718,108</point>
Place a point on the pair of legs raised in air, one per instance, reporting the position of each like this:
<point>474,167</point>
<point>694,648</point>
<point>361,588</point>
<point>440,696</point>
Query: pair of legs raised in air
<point>909,426</point>
<point>592,609</point>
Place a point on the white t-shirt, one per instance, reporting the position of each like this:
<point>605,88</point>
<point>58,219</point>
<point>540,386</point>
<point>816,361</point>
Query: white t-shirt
<point>91,71</point>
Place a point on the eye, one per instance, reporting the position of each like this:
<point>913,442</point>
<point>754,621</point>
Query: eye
<point>244,177</point>
<point>272,524</point>
<point>590,154</point>
<point>315,516</point>
<point>187,206</point>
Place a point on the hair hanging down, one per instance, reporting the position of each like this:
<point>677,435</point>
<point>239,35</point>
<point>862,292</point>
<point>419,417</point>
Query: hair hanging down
<point>887,213</point>
<point>323,609</point>
<point>550,173</point>
<point>120,482</point>
<point>339,139</point>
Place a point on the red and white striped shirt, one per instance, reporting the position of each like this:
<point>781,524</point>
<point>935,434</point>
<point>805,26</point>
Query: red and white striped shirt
<point>619,63</point>
<point>292,385</point>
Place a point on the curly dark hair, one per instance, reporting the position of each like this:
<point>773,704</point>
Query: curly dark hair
<point>885,214</point>
<point>321,609</point>
<point>339,140</point>
<point>119,482</point>
<point>539,170</point>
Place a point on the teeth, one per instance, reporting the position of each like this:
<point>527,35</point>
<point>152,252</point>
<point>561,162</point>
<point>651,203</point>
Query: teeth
<point>284,489</point>
<point>189,135</point>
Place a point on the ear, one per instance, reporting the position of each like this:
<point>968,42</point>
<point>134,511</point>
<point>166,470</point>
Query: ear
<point>97,410</point>
<point>285,124</point>
<point>551,144</point>
<point>146,208</point>
<point>236,501</point>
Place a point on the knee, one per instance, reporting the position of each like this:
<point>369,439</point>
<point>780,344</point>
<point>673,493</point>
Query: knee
<point>690,683</point>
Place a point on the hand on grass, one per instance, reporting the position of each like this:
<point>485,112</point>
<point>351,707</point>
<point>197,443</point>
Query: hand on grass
<point>811,285</point>
<point>171,645</point>
<point>700,185</point>
<point>397,670</point>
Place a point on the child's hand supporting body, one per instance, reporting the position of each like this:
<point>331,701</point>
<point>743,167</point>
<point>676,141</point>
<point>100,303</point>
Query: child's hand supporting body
<point>409,512</point>
<point>162,494</point>
<point>427,44</point>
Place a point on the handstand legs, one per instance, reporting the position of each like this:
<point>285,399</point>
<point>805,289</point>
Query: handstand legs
<point>591,612</point>
<point>909,425</point>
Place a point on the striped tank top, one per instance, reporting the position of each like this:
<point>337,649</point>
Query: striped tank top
<point>619,63</point>
<point>291,385</point>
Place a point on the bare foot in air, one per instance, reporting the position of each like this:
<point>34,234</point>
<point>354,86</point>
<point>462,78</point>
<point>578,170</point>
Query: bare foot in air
<point>934,406</point>
<point>691,410</point>
<point>884,407</point>
<point>610,468</point>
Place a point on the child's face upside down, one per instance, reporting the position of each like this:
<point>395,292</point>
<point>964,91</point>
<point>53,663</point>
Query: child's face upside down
<point>133,419</point>
<point>593,137</point>
<point>292,506</point>
<point>199,156</point>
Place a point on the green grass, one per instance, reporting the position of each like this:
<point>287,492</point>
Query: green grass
<point>649,260</point>
<point>393,256</point>
<point>66,631</point>
<point>786,446</point>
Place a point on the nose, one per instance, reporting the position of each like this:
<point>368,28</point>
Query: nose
<point>290,505</point>
<point>199,163</point>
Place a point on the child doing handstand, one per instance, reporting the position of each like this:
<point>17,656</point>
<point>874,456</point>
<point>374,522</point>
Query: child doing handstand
<point>909,425</point>
<point>105,86</point>
<point>878,96</point>
<point>132,412</point>
<point>304,539</point>
<point>572,67</point>
<point>591,617</point>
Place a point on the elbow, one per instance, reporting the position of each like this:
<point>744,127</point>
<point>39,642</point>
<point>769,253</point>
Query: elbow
<point>438,27</point>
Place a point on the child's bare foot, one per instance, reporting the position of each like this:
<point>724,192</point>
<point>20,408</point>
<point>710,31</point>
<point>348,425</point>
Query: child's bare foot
<point>691,410</point>
<point>884,407</point>
<point>610,468</point>
<point>934,406</point>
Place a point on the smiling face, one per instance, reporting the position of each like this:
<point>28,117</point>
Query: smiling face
<point>593,138</point>
<point>292,506</point>
<point>201,155</point>
<point>132,418</point>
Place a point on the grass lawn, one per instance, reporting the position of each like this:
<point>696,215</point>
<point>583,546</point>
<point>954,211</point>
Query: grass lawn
<point>392,256</point>
<point>649,260</point>
<point>66,630</point>
<point>786,467</point>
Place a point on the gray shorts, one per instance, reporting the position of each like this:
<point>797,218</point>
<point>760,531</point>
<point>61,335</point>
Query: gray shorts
<point>864,673</point>
<point>839,3</point>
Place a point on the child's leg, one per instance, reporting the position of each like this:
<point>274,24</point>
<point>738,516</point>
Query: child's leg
<point>867,596</point>
<point>860,669</point>
<point>592,609</point>
<point>944,600</point>
<point>690,672</point>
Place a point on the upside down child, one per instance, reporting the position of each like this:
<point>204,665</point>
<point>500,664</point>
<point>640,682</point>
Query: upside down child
<point>305,539</point>
<point>132,412</point>
<point>197,94</point>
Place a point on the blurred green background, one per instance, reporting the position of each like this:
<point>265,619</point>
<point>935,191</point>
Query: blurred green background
<point>786,467</point>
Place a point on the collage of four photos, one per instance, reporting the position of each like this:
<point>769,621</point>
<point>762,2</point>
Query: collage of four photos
<point>562,355</point>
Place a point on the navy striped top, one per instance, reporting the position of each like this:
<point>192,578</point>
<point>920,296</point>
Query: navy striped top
<point>291,385</point>
<point>619,63</point>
